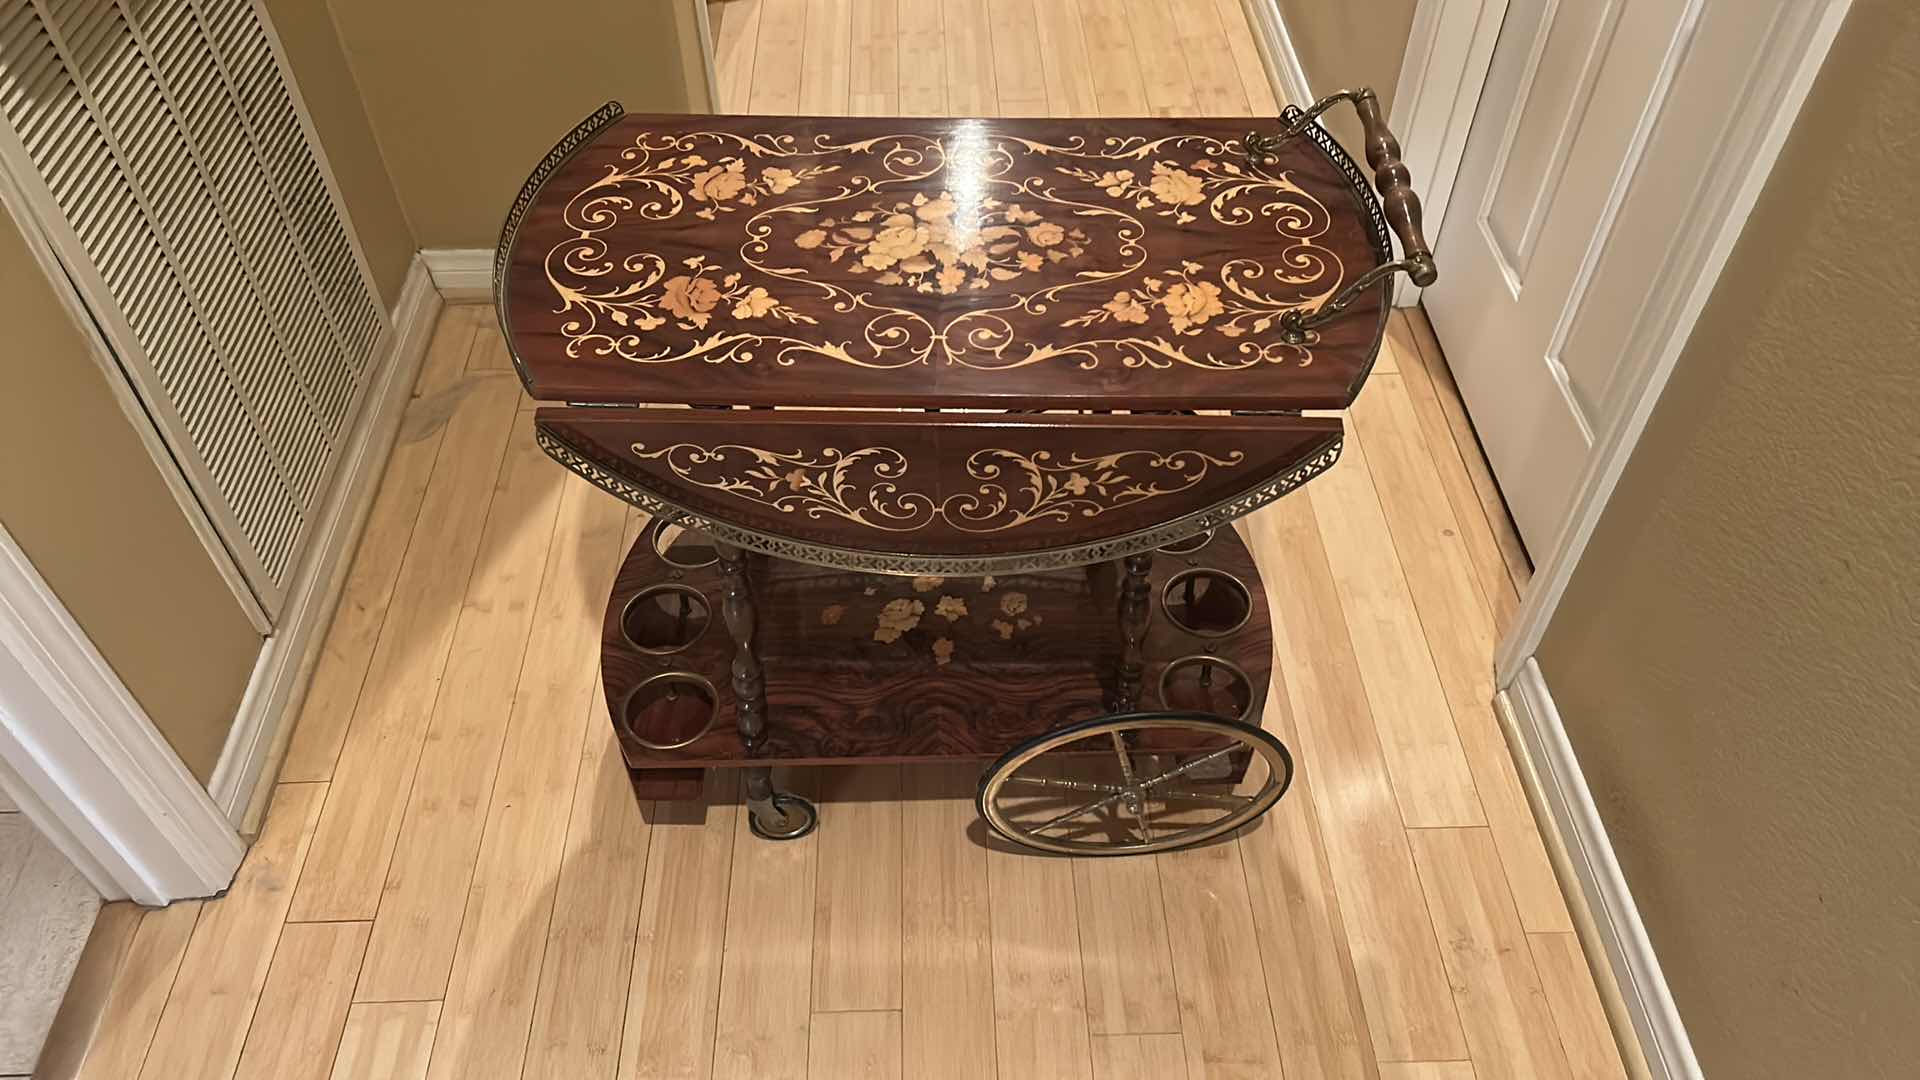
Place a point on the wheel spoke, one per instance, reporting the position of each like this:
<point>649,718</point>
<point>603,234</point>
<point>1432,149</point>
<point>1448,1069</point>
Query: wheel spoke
<point>1120,751</point>
<point>1215,797</point>
<point>1135,806</point>
<point>1067,785</point>
<point>1085,808</point>
<point>1180,770</point>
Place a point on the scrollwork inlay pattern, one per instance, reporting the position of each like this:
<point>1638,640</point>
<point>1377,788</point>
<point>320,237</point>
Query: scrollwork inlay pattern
<point>869,486</point>
<point>588,463</point>
<point>955,250</point>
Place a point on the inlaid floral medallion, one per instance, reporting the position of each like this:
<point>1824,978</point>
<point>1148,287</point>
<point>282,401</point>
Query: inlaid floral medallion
<point>916,243</point>
<point>986,246</point>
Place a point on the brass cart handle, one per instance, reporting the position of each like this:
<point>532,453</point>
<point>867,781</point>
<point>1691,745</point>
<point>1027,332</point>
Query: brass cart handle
<point>1398,203</point>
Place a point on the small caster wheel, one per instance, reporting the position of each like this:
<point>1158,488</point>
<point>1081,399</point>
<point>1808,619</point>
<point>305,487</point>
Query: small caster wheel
<point>785,817</point>
<point>1134,783</point>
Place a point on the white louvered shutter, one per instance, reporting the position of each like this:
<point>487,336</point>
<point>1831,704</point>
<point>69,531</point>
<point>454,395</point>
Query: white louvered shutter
<point>187,202</point>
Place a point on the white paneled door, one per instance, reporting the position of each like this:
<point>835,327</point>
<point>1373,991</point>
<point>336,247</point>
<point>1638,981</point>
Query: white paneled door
<point>1600,166</point>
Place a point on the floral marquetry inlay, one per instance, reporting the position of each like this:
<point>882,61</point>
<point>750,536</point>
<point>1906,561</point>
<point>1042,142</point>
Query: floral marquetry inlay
<point>916,243</point>
<point>869,486</point>
<point>851,261</point>
<point>944,494</point>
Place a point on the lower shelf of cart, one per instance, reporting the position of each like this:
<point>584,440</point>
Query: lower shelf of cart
<point>872,669</point>
<point>827,714</point>
<point>825,718</point>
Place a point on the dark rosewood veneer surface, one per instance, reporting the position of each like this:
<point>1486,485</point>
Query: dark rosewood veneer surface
<point>1129,264</point>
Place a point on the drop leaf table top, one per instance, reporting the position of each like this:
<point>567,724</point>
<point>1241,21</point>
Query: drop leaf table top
<point>947,345</point>
<point>1119,264</point>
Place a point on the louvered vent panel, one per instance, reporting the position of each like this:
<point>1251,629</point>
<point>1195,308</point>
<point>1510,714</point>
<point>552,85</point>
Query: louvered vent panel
<point>169,140</point>
<point>266,101</point>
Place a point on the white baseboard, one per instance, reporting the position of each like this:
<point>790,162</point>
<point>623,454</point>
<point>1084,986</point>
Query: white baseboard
<point>285,667</point>
<point>1284,70</point>
<point>86,764</point>
<point>463,275</point>
<point>1563,790</point>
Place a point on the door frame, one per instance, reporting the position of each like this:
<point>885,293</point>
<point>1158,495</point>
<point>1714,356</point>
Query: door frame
<point>86,764</point>
<point>1443,72</point>
<point>709,63</point>
<point>1449,52</point>
<point>1749,145</point>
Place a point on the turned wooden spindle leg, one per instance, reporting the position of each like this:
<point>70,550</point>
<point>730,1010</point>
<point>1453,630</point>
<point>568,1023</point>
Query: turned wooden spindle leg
<point>749,685</point>
<point>774,815</point>
<point>1135,608</point>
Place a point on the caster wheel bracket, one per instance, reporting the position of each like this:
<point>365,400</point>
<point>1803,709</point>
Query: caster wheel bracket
<point>782,816</point>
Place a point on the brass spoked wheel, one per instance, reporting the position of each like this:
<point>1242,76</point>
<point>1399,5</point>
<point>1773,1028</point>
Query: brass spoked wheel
<point>1134,783</point>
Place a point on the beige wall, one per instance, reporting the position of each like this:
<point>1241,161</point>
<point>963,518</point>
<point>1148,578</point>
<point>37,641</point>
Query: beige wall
<point>1738,657</point>
<point>466,95</point>
<point>78,490</point>
<point>85,502</point>
<point>1343,45</point>
<point>320,68</point>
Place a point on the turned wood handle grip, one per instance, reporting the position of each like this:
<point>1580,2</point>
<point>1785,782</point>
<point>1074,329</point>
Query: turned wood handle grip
<point>1395,185</point>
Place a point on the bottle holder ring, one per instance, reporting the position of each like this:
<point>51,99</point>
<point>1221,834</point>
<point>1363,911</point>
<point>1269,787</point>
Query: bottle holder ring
<point>664,619</point>
<point>681,706</point>
<point>1202,682</point>
<point>681,547</point>
<point>1206,602</point>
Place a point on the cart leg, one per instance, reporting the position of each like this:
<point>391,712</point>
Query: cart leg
<point>1134,611</point>
<point>776,815</point>
<point>749,686</point>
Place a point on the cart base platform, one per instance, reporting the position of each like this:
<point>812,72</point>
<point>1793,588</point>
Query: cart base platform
<point>876,668</point>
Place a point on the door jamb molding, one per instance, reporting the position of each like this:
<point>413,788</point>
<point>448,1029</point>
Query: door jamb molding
<point>1284,69</point>
<point>1449,52</point>
<point>86,764</point>
<point>709,64</point>
<point>1751,145</point>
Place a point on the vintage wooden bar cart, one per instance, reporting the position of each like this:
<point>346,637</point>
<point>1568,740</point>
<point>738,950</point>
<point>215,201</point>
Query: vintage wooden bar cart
<point>946,422</point>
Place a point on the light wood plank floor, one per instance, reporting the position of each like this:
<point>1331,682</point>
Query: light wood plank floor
<point>454,880</point>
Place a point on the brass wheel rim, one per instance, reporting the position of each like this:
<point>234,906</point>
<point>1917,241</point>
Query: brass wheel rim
<point>1138,791</point>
